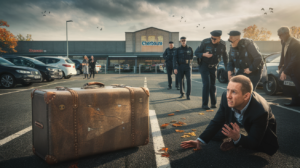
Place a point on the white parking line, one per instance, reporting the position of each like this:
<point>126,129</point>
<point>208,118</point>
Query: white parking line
<point>158,143</point>
<point>15,135</point>
<point>269,102</point>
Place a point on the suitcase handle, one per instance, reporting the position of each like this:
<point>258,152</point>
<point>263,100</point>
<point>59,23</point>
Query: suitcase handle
<point>93,85</point>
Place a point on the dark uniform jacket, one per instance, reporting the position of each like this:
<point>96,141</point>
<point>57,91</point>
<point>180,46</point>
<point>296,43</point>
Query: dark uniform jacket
<point>290,63</point>
<point>245,55</point>
<point>182,56</point>
<point>168,56</point>
<point>92,64</point>
<point>258,121</point>
<point>217,51</point>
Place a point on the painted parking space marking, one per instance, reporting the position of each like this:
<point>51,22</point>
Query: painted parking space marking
<point>15,135</point>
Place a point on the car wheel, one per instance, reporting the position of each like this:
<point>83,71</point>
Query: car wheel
<point>67,77</point>
<point>7,81</point>
<point>27,84</point>
<point>42,78</point>
<point>221,76</point>
<point>271,86</point>
<point>49,80</point>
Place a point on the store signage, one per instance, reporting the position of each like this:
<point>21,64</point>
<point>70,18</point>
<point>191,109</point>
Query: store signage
<point>152,43</point>
<point>31,50</point>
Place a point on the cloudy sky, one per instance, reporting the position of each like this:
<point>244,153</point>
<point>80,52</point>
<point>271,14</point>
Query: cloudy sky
<point>119,16</point>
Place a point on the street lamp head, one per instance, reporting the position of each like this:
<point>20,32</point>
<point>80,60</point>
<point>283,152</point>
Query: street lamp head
<point>69,20</point>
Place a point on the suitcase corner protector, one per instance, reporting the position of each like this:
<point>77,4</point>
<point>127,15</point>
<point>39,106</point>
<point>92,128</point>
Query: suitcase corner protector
<point>50,159</point>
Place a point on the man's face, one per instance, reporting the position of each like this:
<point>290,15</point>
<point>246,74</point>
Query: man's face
<point>235,97</point>
<point>233,38</point>
<point>183,42</point>
<point>215,39</point>
<point>171,45</point>
<point>284,37</point>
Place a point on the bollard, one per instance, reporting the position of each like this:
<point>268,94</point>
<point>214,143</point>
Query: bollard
<point>105,69</point>
<point>140,69</point>
<point>156,69</point>
<point>119,69</point>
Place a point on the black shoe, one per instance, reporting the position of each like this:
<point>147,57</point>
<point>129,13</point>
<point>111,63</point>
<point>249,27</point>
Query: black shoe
<point>205,107</point>
<point>169,88</point>
<point>188,97</point>
<point>182,96</point>
<point>291,104</point>
<point>213,106</point>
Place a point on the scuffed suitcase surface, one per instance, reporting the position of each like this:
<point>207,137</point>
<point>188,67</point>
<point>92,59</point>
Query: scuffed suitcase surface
<point>103,122</point>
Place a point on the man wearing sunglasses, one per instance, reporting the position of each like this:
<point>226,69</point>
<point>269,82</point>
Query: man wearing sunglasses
<point>209,54</point>
<point>182,64</point>
<point>244,58</point>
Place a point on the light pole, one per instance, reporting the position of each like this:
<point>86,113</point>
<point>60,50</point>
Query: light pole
<point>67,36</point>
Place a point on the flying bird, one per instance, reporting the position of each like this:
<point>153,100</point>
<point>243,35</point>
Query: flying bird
<point>45,12</point>
<point>262,9</point>
<point>265,13</point>
<point>101,29</point>
<point>49,12</point>
<point>97,27</point>
<point>197,26</point>
<point>173,15</point>
<point>44,15</point>
<point>181,17</point>
<point>271,11</point>
<point>270,8</point>
<point>185,21</point>
<point>203,27</point>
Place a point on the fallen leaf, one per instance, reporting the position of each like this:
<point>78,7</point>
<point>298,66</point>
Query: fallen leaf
<point>164,149</point>
<point>196,149</point>
<point>194,130</point>
<point>201,113</point>
<point>164,125</point>
<point>176,125</point>
<point>173,121</point>
<point>171,114</point>
<point>177,110</point>
<point>179,130</point>
<point>185,136</point>
<point>190,134</point>
<point>165,155</point>
<point>209,110</point>
<point>183,118</point>
<point>74,165</point>
<point>181,123</point>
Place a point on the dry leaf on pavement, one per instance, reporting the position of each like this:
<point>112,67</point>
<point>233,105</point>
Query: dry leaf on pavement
<point>164,149</point>
<point>209,110</point>
<point>171,114</point>
<point>177,110</point>
<point>164,125</point>
<point>190,134</point>
<point>165,155</point>
<point>195,149</point>
<point>179,130</point>
<point>176,125</point>
<point>194,130</point>
<point>185,136</point>
<point>173,121</point>
<point>183,118</point>
<point>201,113</point>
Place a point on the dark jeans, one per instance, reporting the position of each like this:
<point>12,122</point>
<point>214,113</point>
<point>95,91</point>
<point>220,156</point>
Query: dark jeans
<point>296,96</point>
<point>208,76</point>
<point>185,70</point>
<point>255,78</point>
<point>170,71</point>
<point>92,71</point>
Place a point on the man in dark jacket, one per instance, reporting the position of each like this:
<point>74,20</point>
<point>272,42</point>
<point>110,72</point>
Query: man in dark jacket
<point>168,56</point>
<point>182,62</point>
<point>241,108</point>
<point>290,62</point>
<point>209,55</point>
<point>244,58</point>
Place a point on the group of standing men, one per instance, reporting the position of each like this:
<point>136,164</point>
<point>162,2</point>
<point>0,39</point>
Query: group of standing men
<point>244,59</point>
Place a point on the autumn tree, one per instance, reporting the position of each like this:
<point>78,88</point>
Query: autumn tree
<point>8,42</point>
<point>20,37</point>
<point>256,34</point>
<point>295,32</point>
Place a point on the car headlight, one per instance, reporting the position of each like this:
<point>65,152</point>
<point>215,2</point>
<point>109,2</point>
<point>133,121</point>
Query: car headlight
<point>50,69</point>
<point>277,71</point>
<point>23,72</point>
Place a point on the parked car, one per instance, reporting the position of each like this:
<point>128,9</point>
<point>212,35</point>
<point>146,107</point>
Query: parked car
<point>11,75</point>
<point>123,67</point>
<point>48,73</point>
<point>274,84</point>
<point>63,63</point>
<point>222,74</point>
<point>78,65</point>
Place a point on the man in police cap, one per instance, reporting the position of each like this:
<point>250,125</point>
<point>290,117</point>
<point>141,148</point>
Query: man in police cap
<point>183,66</point>
<point>244,58</point>
<point>209,55</point>
<point>168,56</point>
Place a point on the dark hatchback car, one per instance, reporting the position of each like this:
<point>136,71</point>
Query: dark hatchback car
<point>11,75</point>
<point>274,84</point>
<point>78,65</point>
<point>48,73</point>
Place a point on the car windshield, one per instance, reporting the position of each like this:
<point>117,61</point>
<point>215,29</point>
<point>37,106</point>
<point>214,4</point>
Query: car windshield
<point>34,61</point>
<point>273,58</point>
<point>69,61</point>
<point>5,62</point>
<point>276,60</point>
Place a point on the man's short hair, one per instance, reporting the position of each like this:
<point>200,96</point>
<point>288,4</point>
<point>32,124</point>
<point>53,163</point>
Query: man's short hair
<point>245,81</point>
<point>283,30</point>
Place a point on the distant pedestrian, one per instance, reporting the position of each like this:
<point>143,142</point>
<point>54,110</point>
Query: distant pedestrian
<point>85,67</point>
<point>290,61</point>
<point>92,66</point>
<point>168,56</point>
<point>244,58</point>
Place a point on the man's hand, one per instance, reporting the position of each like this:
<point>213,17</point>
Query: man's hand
<point>229,75</point>
<point>232,133</point>
<point>207,55</point>
<point>283,76</point>
<point>175,71</point>
<point>191,144</point>
<point>247,71</point>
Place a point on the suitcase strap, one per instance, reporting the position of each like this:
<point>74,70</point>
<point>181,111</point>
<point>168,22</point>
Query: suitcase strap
<point>75,126</point>
<point>132,115</point>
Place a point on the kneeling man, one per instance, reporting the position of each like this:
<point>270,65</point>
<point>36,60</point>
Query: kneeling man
<point>241,108</point>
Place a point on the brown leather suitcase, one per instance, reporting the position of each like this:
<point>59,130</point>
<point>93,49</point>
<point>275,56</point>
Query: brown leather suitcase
<point>73,123</point>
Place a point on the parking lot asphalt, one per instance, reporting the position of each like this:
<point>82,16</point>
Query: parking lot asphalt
<point>15,115</point>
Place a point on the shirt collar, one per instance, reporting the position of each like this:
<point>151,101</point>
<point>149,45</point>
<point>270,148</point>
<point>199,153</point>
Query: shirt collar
<point>244,109</point>
<point>288,41</point>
